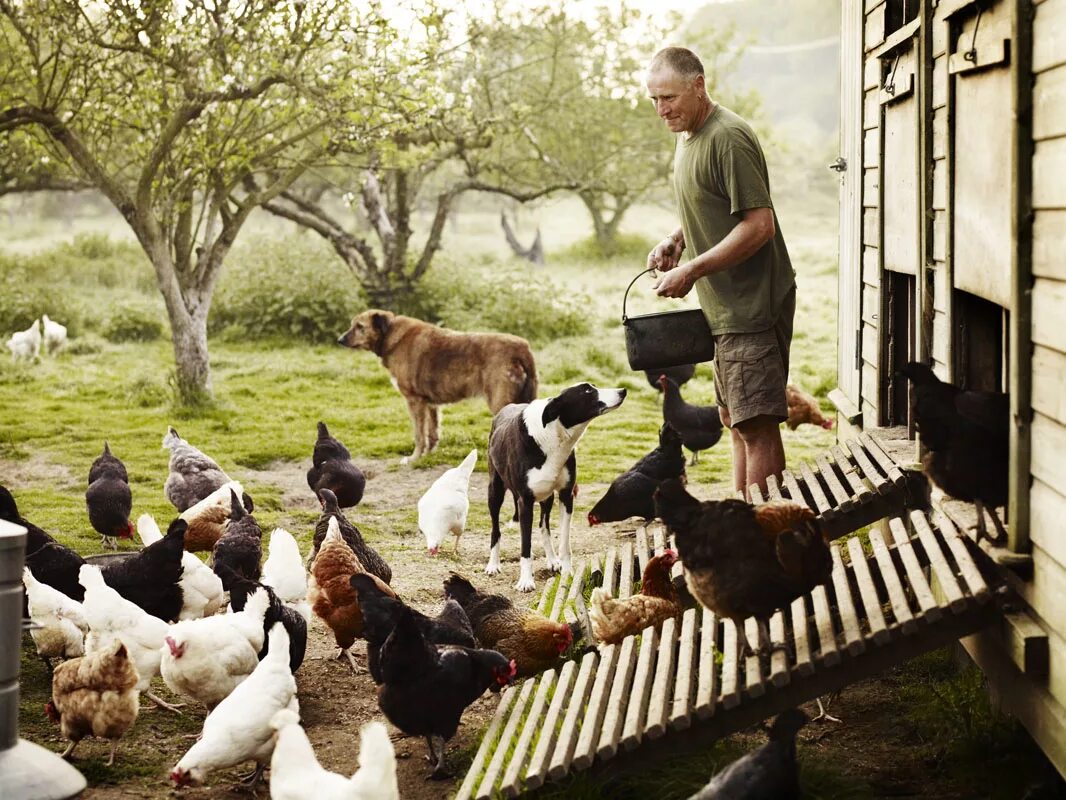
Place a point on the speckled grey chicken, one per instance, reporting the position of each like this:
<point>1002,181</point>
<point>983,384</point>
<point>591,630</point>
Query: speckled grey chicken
<point>108,498</point>
<point>370,559</point>
<point>193,474</point>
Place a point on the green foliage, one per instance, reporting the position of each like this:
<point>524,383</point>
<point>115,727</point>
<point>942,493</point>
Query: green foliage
<point>21,303</point>
<point>293,289</point>
<point>625,247</point>
<point>501,298</point>
<point>133,323</point>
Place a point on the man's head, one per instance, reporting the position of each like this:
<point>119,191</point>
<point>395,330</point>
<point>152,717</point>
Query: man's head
<point>677,87</point>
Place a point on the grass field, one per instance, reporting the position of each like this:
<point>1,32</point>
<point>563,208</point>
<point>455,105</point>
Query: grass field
<point>270,393</point>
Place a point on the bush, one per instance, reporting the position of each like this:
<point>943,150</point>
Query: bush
<point>133,324</point>
<point>293,288</point>
<point>626,247</point>
<point>21,302</point>
<point>501,298</point>
<point>91,259</point>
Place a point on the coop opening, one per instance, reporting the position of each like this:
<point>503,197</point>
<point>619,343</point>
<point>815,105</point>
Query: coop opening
<point>899,344</point>
<point>980,343</point>
<point>898,13</point>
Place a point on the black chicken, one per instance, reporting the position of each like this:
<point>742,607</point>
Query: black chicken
<point>294,623</point>
<point>700,426</point>
<point>426,688</point>
<point>109,499</point>
<point>742,560</point>
<point>966,436</point>
<point>332,469</point>
<point>151,578</point>
<point>767,772</point>
<point>368,556</point>
<point>630,494</point>
<point>680,375</point>
<point>380,613</point>
<point>240,548</point>
<point>48,560</point>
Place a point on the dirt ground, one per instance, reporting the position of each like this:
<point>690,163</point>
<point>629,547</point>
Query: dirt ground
<point>874,742</point>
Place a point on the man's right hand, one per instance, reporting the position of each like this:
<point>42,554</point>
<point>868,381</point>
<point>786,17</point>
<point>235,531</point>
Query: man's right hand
<point>666,255</point>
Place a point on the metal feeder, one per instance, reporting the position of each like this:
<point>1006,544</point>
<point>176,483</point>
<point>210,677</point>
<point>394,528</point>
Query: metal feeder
<point>27,770</point>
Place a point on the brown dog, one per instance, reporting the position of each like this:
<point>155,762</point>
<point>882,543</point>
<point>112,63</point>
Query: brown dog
<point>432,366</point>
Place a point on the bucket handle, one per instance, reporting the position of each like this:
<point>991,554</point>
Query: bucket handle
<point>626,295</point>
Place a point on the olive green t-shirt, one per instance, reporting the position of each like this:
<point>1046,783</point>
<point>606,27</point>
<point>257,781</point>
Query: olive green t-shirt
<point>719,172</point>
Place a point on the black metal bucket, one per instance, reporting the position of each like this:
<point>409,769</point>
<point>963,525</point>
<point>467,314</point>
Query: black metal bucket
<point>666,338</point>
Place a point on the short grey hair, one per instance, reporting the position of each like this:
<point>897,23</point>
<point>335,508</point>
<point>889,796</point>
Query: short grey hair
<point>680,60</point>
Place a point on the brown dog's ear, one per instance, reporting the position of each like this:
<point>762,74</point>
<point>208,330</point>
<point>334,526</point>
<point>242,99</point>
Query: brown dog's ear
<point>380,323</point>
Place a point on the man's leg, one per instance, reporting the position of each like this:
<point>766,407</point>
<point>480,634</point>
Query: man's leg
<point>764,451</point>
<point>740,461</point>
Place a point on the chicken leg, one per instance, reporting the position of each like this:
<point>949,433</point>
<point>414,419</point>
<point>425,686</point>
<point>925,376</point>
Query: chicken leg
<point>346,653</point>
<point>251,780</point>
<point>70,749</point>
<point>159,701</point>
<point>982,530</point>
<point>111,757</point>
<point>436,758</point>
<point>823,714</point>
<point>695,458</point>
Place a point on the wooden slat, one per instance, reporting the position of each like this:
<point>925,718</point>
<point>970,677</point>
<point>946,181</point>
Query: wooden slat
<point>730,664</point>
<point>756,494</point>
<point>511,785</point>
<point>610,572</point>
<point>967,568</point>
<point>815,488</point>
<point>487,743</point>
<point>915,576</point>
<point>900,610</point>
<point>597,708</point>
<point>871,604</point>
<point>488,783</point>
<point>779,656</point>
<point>753,677</point>
<point>681,712</point>
<point>945,576</point>
<point>625,579</point>
<point>659,539</point>
<point>637,707</point>
<point>773,491</point>
<point>663,682</point>
<point>841,500</point>
<point>707,687</point>
<point>882,458</point>
<point>538,764</point>
<point>793,487</point>
<point>866,467</point>
<point>800,637</point>
<point>560,595</point>
<point>823,618</point>
<point>642,548</point>
<point>568,733</point>
<point>849,620</point>
<point>858,488</point>
<point>542,604</point>
<point>612,722</point>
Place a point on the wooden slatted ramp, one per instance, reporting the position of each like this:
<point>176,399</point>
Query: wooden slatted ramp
<point>686,684</point>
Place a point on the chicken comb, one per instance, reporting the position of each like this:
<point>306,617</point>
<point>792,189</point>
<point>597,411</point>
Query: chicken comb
<point>780,515</point>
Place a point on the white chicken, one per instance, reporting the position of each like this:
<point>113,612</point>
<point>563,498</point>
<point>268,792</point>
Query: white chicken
<point>284,572</point>
<point>193,474</point>
<point>55,335</point>
<point>26,344</point>
<point>111,616</point>
<point>444,506</point>
<point>61,621</point>
<point>295,773</point>
<point>205,659</point>
<point>207,517</point>
<point>239,728</point>
<point>201,589</point>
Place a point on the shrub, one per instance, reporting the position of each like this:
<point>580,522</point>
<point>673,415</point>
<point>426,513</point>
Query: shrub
<point>21,302</point>
<point>90,260</point>
<point>133,324</point>
<point>500,298</point>
<point>625,247</point>
<point>293,288</point>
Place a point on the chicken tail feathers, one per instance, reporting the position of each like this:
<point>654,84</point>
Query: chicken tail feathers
<point>459,589</point>
<point>284,718</point>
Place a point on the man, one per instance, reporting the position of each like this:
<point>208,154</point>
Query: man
<point>737,260</point>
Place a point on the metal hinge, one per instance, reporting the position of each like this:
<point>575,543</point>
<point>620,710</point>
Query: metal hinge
<point>858,348</point>
<point>840,165</point>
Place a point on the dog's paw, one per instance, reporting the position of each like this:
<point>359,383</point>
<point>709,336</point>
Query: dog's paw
<point>566,567</point>
<point>492,568</point>
<point>553,564</point>
<point>525,585</point>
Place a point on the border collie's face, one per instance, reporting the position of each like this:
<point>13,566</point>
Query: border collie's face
<point>580,403</point>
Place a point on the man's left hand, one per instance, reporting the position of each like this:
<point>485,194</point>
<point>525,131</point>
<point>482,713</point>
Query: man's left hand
<point>675,283</point>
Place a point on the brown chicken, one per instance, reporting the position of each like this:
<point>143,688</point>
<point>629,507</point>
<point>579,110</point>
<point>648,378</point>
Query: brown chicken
<point>330,592</point>
<point>95,695</point>
<point>741,563</point>
<point>207,518</point>
<point>613,620</point>
<point>531,639</point>
<point>803,409</point>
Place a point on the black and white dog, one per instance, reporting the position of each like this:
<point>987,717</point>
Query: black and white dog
<point>531,452</point>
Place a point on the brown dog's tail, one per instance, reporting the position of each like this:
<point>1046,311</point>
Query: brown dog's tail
<point>527,392</point>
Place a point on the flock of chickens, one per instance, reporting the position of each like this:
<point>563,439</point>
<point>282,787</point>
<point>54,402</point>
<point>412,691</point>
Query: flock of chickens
<point>156,611</point>
<point>26,345</point>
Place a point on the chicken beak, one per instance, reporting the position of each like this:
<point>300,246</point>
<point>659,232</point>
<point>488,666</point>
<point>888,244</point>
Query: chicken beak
<point>434,550</point>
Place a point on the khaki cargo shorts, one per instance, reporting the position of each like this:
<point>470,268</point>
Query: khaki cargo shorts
<point>750,369</point>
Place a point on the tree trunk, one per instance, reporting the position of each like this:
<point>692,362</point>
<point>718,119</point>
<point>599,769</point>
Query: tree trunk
<point>606,229</point>
<point>189,335</point>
